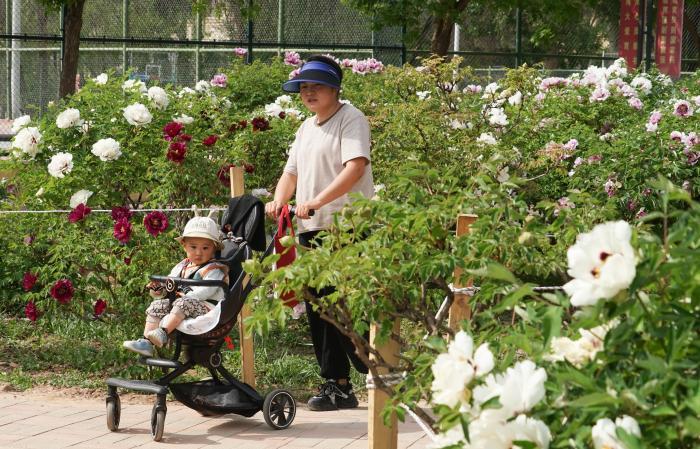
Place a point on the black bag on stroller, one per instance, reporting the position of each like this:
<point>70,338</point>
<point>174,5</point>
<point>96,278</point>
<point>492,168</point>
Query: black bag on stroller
<point>243,227</point>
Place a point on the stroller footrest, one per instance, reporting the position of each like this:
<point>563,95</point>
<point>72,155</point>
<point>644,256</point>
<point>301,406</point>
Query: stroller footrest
<point>161,363</point>
<point>146,386</point>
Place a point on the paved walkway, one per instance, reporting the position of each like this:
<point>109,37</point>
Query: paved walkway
<point>47,423</point>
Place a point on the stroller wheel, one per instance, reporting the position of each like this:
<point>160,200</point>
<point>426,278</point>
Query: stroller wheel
<point>279,409</point>
<point>157,423</point>
<point>114,411</point>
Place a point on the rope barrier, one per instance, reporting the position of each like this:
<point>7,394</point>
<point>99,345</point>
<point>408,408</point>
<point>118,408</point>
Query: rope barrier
<point>388,379</point>
<point>65,211</point>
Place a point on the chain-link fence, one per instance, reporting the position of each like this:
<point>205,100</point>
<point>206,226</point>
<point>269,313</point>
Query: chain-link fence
<point>168,41</point>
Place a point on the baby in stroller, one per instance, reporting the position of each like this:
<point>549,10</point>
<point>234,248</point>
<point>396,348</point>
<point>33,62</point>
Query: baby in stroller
<point>200,240</point>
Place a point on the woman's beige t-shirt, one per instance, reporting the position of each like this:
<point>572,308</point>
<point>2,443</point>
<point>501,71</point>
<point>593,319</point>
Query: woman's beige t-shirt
<point>319,154</point>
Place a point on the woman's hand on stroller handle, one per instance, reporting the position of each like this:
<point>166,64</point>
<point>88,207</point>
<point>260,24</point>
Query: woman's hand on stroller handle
<point>305,212</point>
<point>274,208</point>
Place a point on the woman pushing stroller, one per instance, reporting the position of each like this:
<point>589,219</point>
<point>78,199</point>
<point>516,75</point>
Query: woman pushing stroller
<point>200,240</point>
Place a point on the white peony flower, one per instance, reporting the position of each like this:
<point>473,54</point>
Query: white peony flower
<point>601,262</point>
<point>423,94</point>
<point>604,432</point>
<point>487,139</point>
<point>515,99</point>
<point>107,149</point>
<point>454,370</point>
<point>284,100</point>
<point>81,196</point>
<point>490,90</point>
<point>69,118</point>
<point>137,114</point>
<point>61,164</point>
<point>101,79</point>
<point>131,85</point>
<point>273,110</point>
<point>497,117</point>
<point>523,428</point>
<point>183,119</point>
<point>642,84</point>
<point>260,193</point>
<point>202,86</point>
<point>519,389</point>
<point>452,436</point>
<point>27,140</point>
<point>20,122</point>
<point>185,91</point>
<point>158,97</point>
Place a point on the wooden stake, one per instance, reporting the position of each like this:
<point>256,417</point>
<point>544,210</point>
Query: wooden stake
<point>380,436</point>
<point>461,309</point>
<point>246,342</point>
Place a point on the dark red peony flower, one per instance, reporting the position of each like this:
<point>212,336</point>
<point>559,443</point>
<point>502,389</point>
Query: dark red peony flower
<point>176,152</point>
<point>260,124</point>
<point>224,174</point>
<point>80,212</point>
<point>241,125</point>
<point>99,308</point>
<point>249,168</point>
<point>172,129</point>
<point>122,230</point>
<point>30,311</point>
<point>127,261</point>
<point>184,137</point>
<point>155,222</point>
<point>282,115</point>
<point>210,140</point>
<point>28,281</point>
<point>63,291</point>
<point>120,212</point>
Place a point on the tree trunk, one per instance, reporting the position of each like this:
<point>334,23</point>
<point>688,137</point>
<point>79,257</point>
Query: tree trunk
<point>73,23</point>
<point>692,28</point>
<point>442,33</point>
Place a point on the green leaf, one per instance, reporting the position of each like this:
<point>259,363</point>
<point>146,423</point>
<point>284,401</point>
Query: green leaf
<point>663,410</point>
<point>514,298</point>
<point>594,399</point>
<point>551,324</point>
<point>495,270</point>
<point>524,444</point>
<point>630,441</point>
<point>691,425</point>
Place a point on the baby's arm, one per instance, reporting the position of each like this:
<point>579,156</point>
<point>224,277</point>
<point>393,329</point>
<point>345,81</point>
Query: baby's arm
<point>156,288</point>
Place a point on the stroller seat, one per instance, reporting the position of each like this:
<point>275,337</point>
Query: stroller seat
<point>243,227</point>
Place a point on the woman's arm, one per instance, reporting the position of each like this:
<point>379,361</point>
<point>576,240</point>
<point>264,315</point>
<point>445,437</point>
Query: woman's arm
<point>286,186</point>
<point>346,179</point>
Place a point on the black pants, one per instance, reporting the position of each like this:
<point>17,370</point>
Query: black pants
<point>334,351</point>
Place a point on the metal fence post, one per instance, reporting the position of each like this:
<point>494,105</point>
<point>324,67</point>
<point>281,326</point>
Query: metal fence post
<point>198,37</point>
<point>15,96</point>
<point>8,61</point>
<point>280,26</point>
<point>518,37</point>
<point>650,41</point>
<point>125,31</point>
<point>249,56</point>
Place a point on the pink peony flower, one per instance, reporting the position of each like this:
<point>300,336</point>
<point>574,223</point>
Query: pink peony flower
<point>62,291</point>
<point>553,81</point>
<point>30,311</point>
<point>99,307</point>
<point>610,187</point>
<point>28,281</point>
<point>641,213</point>
<point>292,58</point>
<point>571,145</point>
<point>655,117</point>
<point>360,67</point>
<point>122,230</point>
<point>210,140</point>
<point>176,152</point>
<point>172,129</point>
<point>677,136</point>
<point>594,159</point>
<point>28,239</point>
<point>240,52</point>
<point>563,203</point>
<point>121,212</point>
<point>155,222</point>
<point>347,63</point>
<point>294,73</point>
<point>635,103</point>
<point>682,108</point>
<point>693,157</point>
<point>80,212</point>
<point>219,80</point>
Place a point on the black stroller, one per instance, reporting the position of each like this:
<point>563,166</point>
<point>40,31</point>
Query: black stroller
<point>243,227</point>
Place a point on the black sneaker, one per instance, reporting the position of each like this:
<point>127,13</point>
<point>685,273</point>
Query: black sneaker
<point>332,396</point>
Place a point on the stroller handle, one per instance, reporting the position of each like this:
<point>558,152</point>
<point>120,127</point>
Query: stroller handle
<point>293,212</point>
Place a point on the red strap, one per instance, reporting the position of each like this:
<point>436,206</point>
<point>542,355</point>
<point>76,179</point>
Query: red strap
<point>287,255</point>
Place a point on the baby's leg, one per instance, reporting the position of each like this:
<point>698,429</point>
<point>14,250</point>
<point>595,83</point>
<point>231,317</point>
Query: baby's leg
<point>183,308</point>
<point>155,312</point>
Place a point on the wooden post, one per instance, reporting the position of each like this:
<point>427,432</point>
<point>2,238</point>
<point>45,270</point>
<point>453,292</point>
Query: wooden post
<point>460,309</point>
<point>246,342</point>
<point>380,436</point>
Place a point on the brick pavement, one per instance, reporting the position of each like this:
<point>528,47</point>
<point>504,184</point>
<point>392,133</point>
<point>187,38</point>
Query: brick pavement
<point>27,421</point>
